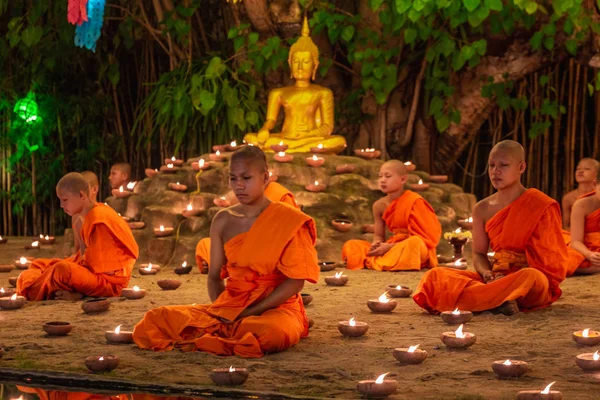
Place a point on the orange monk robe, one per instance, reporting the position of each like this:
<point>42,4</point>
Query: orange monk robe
<point>279,245</point>
<point>110,247</point>
<point>416,230</point>
<point>591,239</point>
<point>44,394</point>
<point>274,192</point>
<point>526,233</point>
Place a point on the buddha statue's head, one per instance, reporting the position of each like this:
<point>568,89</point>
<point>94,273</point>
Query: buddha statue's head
<point>304,56</point>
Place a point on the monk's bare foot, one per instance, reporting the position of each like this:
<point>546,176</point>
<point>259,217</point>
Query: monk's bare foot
<point>507,308</point>
<point>68,296</point>
<point>311,322</point>
<point>204,269</point>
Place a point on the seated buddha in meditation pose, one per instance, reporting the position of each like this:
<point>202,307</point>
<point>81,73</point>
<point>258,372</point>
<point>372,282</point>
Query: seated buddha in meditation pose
<point>308,107</point>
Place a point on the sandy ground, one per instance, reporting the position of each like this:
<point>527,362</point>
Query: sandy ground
<point>326,364</point>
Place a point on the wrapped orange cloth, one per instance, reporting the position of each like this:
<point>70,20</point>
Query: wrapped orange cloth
<point>44,394</point>
<point>530,252</point>
<point>416,230</point>
<point>591,239</point>
<point>110,248</point>
<point>279,245</point>
<point>274,192</point>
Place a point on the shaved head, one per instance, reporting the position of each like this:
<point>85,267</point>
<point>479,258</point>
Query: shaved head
<point>591,163</point>
<point>91,178</point>
<point>251,154</point>
<point>510,147</point>
<point>396,166</point>
<point>123,167</point>
<point>73,182</point>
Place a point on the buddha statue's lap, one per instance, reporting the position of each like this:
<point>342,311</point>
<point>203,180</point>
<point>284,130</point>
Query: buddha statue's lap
<point>308,108</point>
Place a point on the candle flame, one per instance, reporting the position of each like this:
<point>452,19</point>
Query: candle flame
<point>362,150</point>
<point>223,198</point>
<point>338,274</point>
<point>23,260</point>
<point>131,185</point>
<point>420,181</point>
<point>2,291</point>
<point>412,349</point>
<point>457,263</point>
<point>13,297</point>
<point>379,379</point>
<point>459,332</point>
<point>148,267</point>
<point>231,369</point>
<point>384,298</point>
<point>399,287</point>
<point>184,264</point>
<point>218,153</point>
<point>118,329</point>
<point>161,228</point>
<point>281,154</point>
<point>491,254</point>
<point>596,356</point>
<point>456,311</point>
<point>407,163</point>
<point>101,359</point>
<point>47,237</point>
<point>201,162</point>
<point>35,244</point>
<point>155,170</point>
<point>586,333</point>
<point>189,207</point>
<point>0,237</point>
<point>316,183</point>
<point>458,230</point>
<point>507,362</point>
<point>281,142</point>
<point>121,188</point>
<point>173,158</point>
<point>136,288</point>
<point>270,174</point>
<point>315,158</point>
<point>547,390</point>
<point>320,146</point>
<point>169,165</point>
<point>41,236</point>
<point>352,322</point>
<point>233,143</point>
<point>470,219</point>
<point>177,184</point>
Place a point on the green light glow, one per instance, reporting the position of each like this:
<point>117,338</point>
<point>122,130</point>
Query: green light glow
<point>27,109</point>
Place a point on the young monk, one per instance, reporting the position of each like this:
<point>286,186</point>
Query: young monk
<point>77,220</point>
<point>104,262</point>
<point>266,250</point>
<point>120,175</point>
<point>523,228</point>
<point>584,250</point>
<point>274,192</point>
<point>413,222</point>
<point>585,176</point>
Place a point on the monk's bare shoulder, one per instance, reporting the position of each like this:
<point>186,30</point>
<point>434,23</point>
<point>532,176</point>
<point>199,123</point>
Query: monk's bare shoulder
<point>220,221</point>
<point>586,205</point>
<point>484,209</point>
<point>569,198</point>
<point>380,205</point>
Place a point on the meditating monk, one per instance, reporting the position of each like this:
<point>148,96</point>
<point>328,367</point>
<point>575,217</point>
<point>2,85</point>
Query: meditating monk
<point>523,228</point>
<point>585,176</point>
<point>584,248</point>
<point>274,192</point>
<point>409,217</point>
<point>120,175</point>
<point>308,107</point>
<point>103,265</point>
<point>266,250</point>
<point>77,220</point>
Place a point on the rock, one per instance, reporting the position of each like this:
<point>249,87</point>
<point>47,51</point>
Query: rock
<point>160,250</point>
<point>119,205</point>
<point>463,204</point>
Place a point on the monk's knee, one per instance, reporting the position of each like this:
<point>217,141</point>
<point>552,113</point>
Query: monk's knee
<point>273,337</point>
<point>62,272</point>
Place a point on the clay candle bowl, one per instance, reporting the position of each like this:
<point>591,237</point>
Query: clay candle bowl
<point>382,305</point>
<point>232,146</point>
<point>149,269</point>
<point>221,202</point>
<point>341,225</point>
<point>438,178</point>
<point>151,172</point>
<point>35,245</point>
<point>319,149</point>
<point>136,225</point>
<point>315,187</point>
<point>46,239</point>
<point>586,337</point>
<point>352,328</point>
<point>588,361</point>
<point>315,161</point>
<point>6,268</point>
<point>168,284</point>
<point>410,167</point>
<point>134,293</point>
<point>12,303</point>
<point>368,228</point>
<point>118,336</point>
<point>509,368</point>
<point>460,264</point>
<point>229,376</point>
<point>466,223</point>
<point>174,161</point>
<point>545,394</point>
<point>12,281</point>
<point>272,177</point>
<point>367,154</point>
<point>6,292</point>
<point>3,240</point>
<point>217,156</point>
<point>190,211</point>
<point>412,355</point>
<point>419,187</point>
<point>178,187</point>
<point>282,157</point>
<point>336,280</point>
<point>57,328</point>
<point>163,231</point>
<point>306,298</point>
<point>458,339</point>
<point>345,168</point>
<point>379,387</point>
<point>279,148</point>
<point>220,148</point>
<point>121,193</point>
<point>491,256</point>
<point>399,291</point>
<point>169,168</point>
<point>456,317</point>
<point>101,363</point>
<point>327,266</point>
<point>200,165</point>
<point>95,305</point>
<point>183,269</point>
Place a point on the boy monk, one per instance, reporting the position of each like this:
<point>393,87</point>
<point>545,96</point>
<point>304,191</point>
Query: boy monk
<point>585,175</point>
<point>120,175</point>
<point>77,220</point>
<point>266,250</point>
<point>104,263</point>
<point>523,228</point>
<point>584,250</point>
<point>274,192</point>
<point>409,217</point>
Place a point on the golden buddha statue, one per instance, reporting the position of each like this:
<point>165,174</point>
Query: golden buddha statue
<point>308,107</point>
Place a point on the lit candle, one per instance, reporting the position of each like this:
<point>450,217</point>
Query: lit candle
<point>118,336</point>
<point>101,364</point>
<point>509,368</point>
<point>538,395</point>
<point>281,154</point>
<point>201,162</point>
<point>382,305</point>
<point>320,146</point>
<point>189,207</point>
<point>588,361</point>
<point>420,181</point>
<point>397,291</point>
<point>12,303</point>
<point>336,280</point>
<point>411,355</point>
<point>458,338</point>
<point>380,387</point>
<point>352,328</point>
<point>470,219</point>
<point>23,261</point>
<point>133,293</point>
<point>47,237</point>
<point>218,153</point>
<point>233,144</point>
<point>587,337</point>
<point>121,188</point>
<point>281,142</point>
<point>173,159</point>
<point>229,376</point>
<point>131,185</point>
<point>161,228</point>
<point>315,158</point>
<point>169,165</point>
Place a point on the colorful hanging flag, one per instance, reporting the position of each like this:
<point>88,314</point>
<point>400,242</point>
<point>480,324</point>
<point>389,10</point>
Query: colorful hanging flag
<point>77,12</point>
<point>88,33</point>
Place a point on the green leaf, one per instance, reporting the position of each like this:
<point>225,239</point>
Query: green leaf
<point>378,72</point>
<point>214,68</point>
<point>436,106</point>
<point>549,29</point>
<point>568,27</point>
<point>113,73</point>
<point>571,46</point>
<point>467,52</point>
<point>446,45</point>
<point>253,38</point>
<point>418,5</point>
<point>590,89</point>
<point>252,117</point>
<point>233,32</point>
<point>367,68</point>
<point>32,35</point>
<point>536,40</point>
<point>471,5</point>
<point>348,33</point>
<point>495,5</point>
<point>402,6</point>
<point>519,103</point>
<point>375,4</point>
<point>410,35</point>
<point>442,123</point>
<point>457,61</point>
<point>531,7</point>
<point>544,80</point>
<point>549,42</point>
<point>480,46</point>
<point>207,100</point>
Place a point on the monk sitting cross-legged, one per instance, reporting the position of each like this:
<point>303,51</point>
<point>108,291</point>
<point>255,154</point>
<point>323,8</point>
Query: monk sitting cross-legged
<point>409,217</point>
<point>266,250</point>
<point>274,192</point>
<point>585,175</point>
<point>523,228</point>
<point>103,265</point>
<point>584,250</point>
<point>77,220</point>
